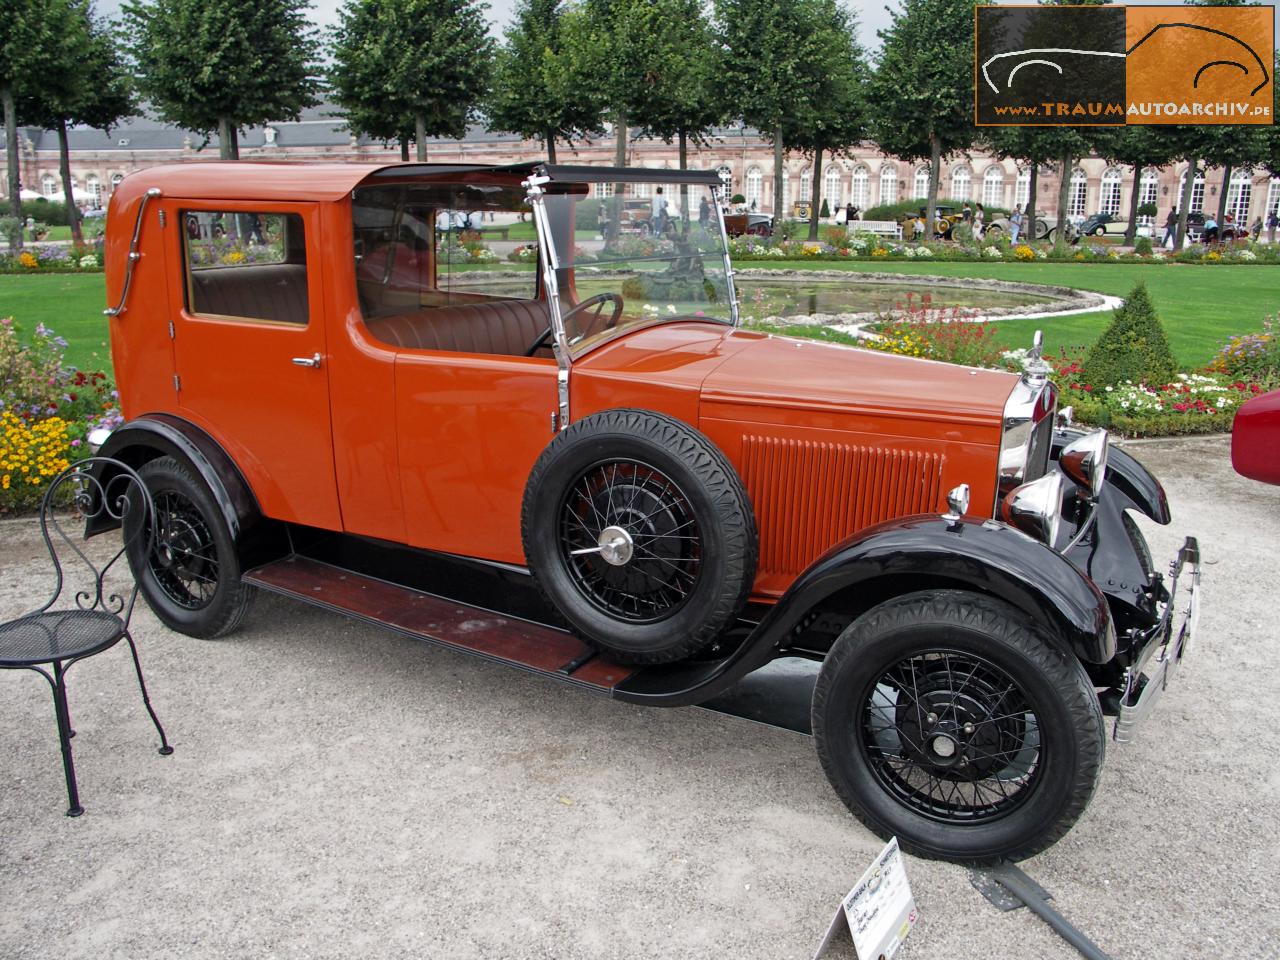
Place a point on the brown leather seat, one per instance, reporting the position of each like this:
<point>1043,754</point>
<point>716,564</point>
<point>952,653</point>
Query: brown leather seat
<point>273,291</point>
<point>506,327</point>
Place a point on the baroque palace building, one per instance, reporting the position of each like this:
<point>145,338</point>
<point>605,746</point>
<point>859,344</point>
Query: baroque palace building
<point>863,177</point>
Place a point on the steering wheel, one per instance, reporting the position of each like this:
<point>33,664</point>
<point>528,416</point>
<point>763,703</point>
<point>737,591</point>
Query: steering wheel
<point>598,301</point>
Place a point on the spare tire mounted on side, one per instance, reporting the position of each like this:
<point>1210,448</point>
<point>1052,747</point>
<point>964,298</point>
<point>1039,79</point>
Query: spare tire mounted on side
<point>639,531</point>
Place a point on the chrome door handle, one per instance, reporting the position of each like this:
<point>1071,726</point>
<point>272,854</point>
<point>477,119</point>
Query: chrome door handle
<point>312,361</point>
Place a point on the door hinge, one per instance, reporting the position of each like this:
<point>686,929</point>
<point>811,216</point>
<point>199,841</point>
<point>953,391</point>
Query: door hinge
<point>171,330</point>
<point>162,218</point>
<point>555,421</point>
<point>177,382</point>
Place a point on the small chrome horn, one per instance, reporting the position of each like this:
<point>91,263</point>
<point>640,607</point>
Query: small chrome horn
<point>957,502</point>
<point>1084,460</point>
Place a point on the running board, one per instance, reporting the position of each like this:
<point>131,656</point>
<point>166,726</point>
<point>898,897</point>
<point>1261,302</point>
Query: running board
<point>447,623</point>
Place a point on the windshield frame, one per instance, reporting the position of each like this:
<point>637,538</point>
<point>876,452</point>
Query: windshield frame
<point>550,265</point>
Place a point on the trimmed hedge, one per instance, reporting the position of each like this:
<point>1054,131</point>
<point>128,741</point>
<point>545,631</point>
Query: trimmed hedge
<point>1133,347</point>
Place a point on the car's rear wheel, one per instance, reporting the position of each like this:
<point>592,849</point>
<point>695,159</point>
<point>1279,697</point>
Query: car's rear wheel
<point>640,533</point>
<point>947,719</point>
<point>191,577</point>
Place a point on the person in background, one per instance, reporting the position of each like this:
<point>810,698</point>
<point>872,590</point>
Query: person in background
<point>1210,234</point>
<point>850,212</point>
<point>979,222</point>
<point>1273,221</point>
<point>659,213</point>
<point>842,215</point>
<point>967,212</point>
<point>1015,224</point>
<point>1170,228</point>
<point>704,213</point>
<point>1255,228</point>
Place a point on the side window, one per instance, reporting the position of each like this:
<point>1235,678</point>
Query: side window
<point>247,266</point>
<point>467,265</point>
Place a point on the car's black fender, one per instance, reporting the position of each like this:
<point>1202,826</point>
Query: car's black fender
<point>896,557</point>
<point>155,435</point>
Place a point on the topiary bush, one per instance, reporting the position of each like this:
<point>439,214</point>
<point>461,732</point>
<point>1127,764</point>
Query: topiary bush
<point>1133,347</point>
<point>1142,246</point>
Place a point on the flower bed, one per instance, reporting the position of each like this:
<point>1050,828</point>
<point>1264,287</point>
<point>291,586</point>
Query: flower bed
<point>47,409</point>
<point>837,245</point>
<point>52,258</point>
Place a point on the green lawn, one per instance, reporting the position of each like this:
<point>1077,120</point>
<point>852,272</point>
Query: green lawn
<point>524,232</point>
<point>1200,306</point>
<point>71,304</point>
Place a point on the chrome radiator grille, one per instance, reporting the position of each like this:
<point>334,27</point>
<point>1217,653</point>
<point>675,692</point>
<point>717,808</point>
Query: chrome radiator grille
<point>808,496</point>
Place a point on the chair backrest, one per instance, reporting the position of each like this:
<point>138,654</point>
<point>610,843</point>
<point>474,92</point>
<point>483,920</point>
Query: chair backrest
<point>101,489</point>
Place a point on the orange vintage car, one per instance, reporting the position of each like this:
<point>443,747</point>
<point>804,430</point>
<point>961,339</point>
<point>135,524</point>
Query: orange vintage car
<point>587,468</point>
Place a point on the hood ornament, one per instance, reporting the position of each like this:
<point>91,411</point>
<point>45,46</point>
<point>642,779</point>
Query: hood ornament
<point>1035,371</point>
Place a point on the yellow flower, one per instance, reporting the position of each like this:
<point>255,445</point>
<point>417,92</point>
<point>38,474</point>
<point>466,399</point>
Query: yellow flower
<point>29,261</point>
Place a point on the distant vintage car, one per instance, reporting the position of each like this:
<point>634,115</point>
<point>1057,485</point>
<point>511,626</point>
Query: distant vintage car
<point>945,219</point>
<point>1229,232</point>
<point>504,460</point>
<point>1046,228</point>
<point>1103,225</point>
<point>1255,438</point>
<point>748,224</point>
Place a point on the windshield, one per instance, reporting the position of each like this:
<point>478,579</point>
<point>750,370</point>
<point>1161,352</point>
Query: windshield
<point>635,254</point>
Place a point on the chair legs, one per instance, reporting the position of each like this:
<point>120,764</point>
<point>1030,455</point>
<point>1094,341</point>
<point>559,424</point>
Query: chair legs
<point>64,738</point>
<point>58,684</point>
<point>165,749</point>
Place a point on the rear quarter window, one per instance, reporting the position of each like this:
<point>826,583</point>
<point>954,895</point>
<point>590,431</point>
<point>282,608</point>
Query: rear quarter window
<point>246,266</point>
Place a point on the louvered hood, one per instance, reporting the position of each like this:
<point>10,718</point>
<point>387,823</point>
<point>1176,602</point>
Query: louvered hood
<point>830,440</point>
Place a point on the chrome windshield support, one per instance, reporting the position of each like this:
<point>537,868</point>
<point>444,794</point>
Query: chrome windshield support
<point>550,264</point>
<point>134,255</point>
<point>717,202</point>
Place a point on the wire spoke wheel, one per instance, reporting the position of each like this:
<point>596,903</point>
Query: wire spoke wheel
<point>630,540</point>
<point>951,736</point>
<point>184,560</point>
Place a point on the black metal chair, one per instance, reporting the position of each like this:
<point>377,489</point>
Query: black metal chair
<point>91,618</point>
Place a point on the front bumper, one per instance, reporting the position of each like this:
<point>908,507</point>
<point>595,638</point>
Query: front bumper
<point>1163,653</point>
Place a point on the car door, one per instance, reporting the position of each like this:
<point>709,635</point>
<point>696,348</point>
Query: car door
<point>249,347</point>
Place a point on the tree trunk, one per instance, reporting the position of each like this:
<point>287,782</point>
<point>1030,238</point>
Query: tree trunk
<point>684,187</point>
<point>228,149</point>
<point>68,191</point>
<point>1029,215</point>
<point>404,149</point>
<point>1222,197</point>
<point>550,138</point>
<point>1131,233</point>
<point>935,171</point>
<point>815,193</point>
<point>620,140</point>
<point>11,152</point>
<point>1064,200</point>
<point>420,136</point>
<point>1184,203</point>
<point>779,201</point>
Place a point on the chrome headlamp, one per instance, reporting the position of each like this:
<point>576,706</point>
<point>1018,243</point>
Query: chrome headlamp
<point>1035,508</point>
<point>1026,434</point>
<point>1084,460</point>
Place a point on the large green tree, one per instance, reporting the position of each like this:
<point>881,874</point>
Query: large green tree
<point>529,95</point>
<point>32,41</point>
<point>91,87</point>
<point>420,65</point>
<point>679,100</point>
<point>761,68</point>
<point>832,116</point>
<point>922,90</point>
<point>214,67</point>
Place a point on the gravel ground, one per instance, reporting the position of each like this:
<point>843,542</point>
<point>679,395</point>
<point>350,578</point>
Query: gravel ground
<point>338,791</point>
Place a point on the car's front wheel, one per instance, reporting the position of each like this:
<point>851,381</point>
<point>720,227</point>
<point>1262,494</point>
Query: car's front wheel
<point>948,719</point>
<point>191,575</point>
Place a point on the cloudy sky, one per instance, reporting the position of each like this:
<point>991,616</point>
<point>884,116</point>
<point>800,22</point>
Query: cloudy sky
<point>872,15</point>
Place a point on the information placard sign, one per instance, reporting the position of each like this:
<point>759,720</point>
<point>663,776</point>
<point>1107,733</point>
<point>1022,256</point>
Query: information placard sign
<point>879,911</point>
